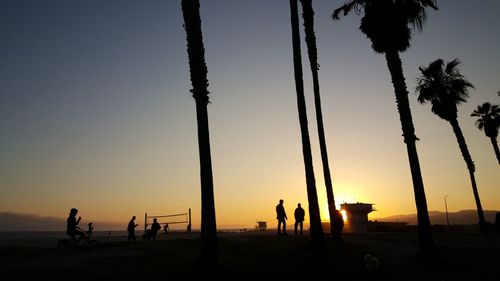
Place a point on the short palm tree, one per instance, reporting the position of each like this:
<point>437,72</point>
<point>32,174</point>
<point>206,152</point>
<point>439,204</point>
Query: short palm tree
<point>389,24</point>
<point>308,15</point>
<point>445,88</point>
<point>317,235</point>
<point>198,71</point>
<point>489,119</point>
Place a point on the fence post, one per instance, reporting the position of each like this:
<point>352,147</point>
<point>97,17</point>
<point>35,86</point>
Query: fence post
<point>189,222</point>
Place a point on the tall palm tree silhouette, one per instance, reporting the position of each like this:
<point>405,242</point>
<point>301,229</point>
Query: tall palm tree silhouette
<point>389,24</point>
<point>308,15</point>
<point>445,88</point>
<point>198,72</point>
<point>317,235</point>
<point>489,119</point>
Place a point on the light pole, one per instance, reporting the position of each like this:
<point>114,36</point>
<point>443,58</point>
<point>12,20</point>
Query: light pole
<point>446,208</point>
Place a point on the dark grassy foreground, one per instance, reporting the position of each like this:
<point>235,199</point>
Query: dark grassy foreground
<point>258,256</point>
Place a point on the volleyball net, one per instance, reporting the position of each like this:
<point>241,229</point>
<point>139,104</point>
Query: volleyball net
<point>169,219</point>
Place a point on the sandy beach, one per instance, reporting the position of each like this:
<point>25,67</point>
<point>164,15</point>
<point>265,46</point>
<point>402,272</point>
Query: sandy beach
<point>252,255</point>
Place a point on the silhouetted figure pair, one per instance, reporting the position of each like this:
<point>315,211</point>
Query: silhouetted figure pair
<point>153,231</point>
<point>338,227</point>
<point>281,216</point>
<point>299,215</point>
<point>131,229</point>
<point>72,228</point>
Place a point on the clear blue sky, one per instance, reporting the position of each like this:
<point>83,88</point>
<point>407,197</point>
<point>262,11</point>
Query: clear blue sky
<point>95,110</point>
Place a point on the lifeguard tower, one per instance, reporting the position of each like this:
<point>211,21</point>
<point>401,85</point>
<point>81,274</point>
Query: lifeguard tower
<point>261,225</point>
<point>357,216</point>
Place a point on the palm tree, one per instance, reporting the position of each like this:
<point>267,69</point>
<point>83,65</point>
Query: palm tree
<point>198,72</point>
<point>389,24</point>
<point>317,236</point>
<point>489,119</point>
<point>308,15</point>
<point>445,88</point>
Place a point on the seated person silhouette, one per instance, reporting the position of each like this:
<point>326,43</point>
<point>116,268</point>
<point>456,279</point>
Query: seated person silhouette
<point>90,230</point>
<point>89,233</point>
<point>72,228</point>
<point>153,231</point>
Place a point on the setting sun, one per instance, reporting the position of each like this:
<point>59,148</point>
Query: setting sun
<point>344,215</point>
<point>325,216</point>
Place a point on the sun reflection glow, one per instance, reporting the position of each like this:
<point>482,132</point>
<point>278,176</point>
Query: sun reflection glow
<point>344,215</point>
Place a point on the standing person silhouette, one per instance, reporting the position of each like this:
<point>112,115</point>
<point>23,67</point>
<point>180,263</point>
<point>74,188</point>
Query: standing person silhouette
<point>281,216</point>
<point>131,229</point>
<point>299,215</point>
<point>338,226</point>
<point>72,228</point>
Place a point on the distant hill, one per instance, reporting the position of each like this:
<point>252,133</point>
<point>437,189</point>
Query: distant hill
<point>29,222</point>
<point>436,217</point>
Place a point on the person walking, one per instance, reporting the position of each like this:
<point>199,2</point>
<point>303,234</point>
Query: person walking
<point>281,216</point>
<point>131,229</point>
<point>299,215</point>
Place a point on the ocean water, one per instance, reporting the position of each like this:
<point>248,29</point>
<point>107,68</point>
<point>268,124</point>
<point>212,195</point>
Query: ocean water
<point>49,238</point>
<point>54,234</point>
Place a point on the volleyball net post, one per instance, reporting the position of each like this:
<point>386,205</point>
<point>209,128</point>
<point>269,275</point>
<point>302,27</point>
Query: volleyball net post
<point>170,219</point>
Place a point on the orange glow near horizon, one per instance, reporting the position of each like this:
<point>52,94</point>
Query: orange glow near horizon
<point>325,215</point>
<point>344,215</point>
<point>323,210</point>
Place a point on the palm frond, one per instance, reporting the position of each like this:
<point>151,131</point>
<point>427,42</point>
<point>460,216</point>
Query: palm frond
<point>443,86</point>
<point>417,15</point>
<point>353,5</point>
<point>452,65</point>
<point>488,118</point>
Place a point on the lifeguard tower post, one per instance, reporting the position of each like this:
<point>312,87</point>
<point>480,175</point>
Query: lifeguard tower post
<point>261,225</point>
<point>357,216</point>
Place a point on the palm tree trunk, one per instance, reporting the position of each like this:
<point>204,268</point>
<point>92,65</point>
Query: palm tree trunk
<point>495,147</point>
<point>317,236</point>
<point>208,219</point>
<point>471,167</point>
<point>198,72</point>
<point>394,64</point>
<point>308,15</point>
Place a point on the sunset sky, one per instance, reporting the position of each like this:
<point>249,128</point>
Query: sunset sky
<point>95,110</point>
